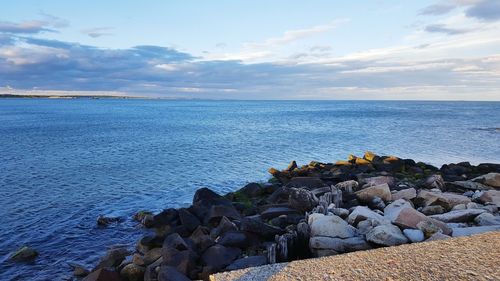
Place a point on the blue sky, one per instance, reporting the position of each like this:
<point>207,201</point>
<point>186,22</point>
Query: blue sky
<point>443,49</point>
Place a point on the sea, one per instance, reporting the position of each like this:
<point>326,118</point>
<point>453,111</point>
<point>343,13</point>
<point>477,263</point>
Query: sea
<point>64,162</point>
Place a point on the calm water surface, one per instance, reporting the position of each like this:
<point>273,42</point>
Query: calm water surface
<point>64,162</point>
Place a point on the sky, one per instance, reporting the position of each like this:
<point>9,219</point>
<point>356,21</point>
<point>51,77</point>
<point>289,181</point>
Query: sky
<point>258,49</point>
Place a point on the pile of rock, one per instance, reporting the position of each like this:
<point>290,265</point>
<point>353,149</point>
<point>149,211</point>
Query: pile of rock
<point>315,210</point>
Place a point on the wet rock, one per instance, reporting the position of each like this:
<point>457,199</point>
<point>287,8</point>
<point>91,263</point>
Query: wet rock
<point>166,217</point>
<point>105,221</point>
<point>201,238</point>
<point>302,199</point>
<point>490,196</point>
<point>138,259</point>
<point>386,235</point>
<point>218,256</point>
<point>103,274</point>
<point>170,273</point>
<point>148,242</point>
<point>177,253</point>
<point>236,239</point>
<point>246,262</point>
<point>254,224</point>
<point>458,215</point>
<point>369,193</point>
<point>331,226</point>
<point>406,194</point>
<point>306,182</point>
<point>188,220</point>
<point>79,270</point>
<point>225,224</point>
<point>24,254</point>
<point>273,212</point>
<point>434,181</point>
<point>204,194</point>
<point>251,190</point>
<point>486,219</point>
<point>219,211</point>
<point>467,231</point>
<point>361,213</point>
<point>414,235</point>
<point>490,179</point>
<point>151,273</point>
<point>139,216</point>
<point>152,255</point>
<point>113,258</point>
<point>433,210</point>
<point>446,200</point>
<point>337,245</point>
<point>133,272</point>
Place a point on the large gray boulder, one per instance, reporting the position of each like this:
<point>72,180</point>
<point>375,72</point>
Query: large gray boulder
<point>386,235</point>
<point>467,231</point>
<point>331,226</point>
<point>406,194</point>
<point>338,245</point>
<point>491,179</point>
<point>485,219</point>
<point>361,213</point>
<point>445,199</point>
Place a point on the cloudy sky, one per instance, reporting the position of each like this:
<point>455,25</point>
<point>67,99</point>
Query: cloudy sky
<point>258,49</point>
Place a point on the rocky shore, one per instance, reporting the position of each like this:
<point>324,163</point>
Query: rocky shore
<point>315,210</point>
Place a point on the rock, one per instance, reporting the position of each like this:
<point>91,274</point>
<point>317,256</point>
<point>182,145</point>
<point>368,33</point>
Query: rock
<point>204,194</point>
<point>429,228</point>
<point>490,179</point>
<point>79,270</point>
<point>370,156</point>
<point>24,254</point>
<point>380,180</point>
<point>463,186</point>
<point>433,210</point>
<point>138,259</point>
<point>486,219</point>
<point>414,235</point>
<point>233,239</point>
<point>169,273</point>
<point>365,226</point>
<point>149,242</point>
<point>202,239</point>
<point>341,212</point>
<point>367,194</point>
<point>446,200</point>
<point>458,215</point>
<point>490,196</point>
<point>224,225</point>
<point>348,186</point>
<point>332,226</point>
<point>218,256</point>
<point>407,194</point>
<point>166,217</point>
<point>133,272</point>
<point>151,256</point>
<point>386,235</point>
<point>219,211</point>
<point>434,181</point>
<point>246,262</point>
<point>361,213</point>
<point>338,245</point>
<point>113,258</point>
<point>302,199</point>
<point>437,236</point>
<point>177,253</point>
<point>292,166</point>
<point>252,189</point>
<point>467,231</point>
<point>410,218</point>
<point>103,274</point>
<point>152,270</point>
<point>377,204</point>
<point>105,221</point>
<point>255,225</point>
<point>188,220</point>
<point>273,212</point>
<point>306,182</point>
<point>459,207</point>
<point>392,210</point>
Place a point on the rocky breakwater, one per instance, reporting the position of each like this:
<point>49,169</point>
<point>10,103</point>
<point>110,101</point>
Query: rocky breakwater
<point>314,210</point>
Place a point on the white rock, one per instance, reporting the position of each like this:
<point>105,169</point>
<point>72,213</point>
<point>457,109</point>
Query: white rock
<point>414,235</point>
<point>332,226</point>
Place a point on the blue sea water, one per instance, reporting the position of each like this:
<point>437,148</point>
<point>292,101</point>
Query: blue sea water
<point>64,162</point>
